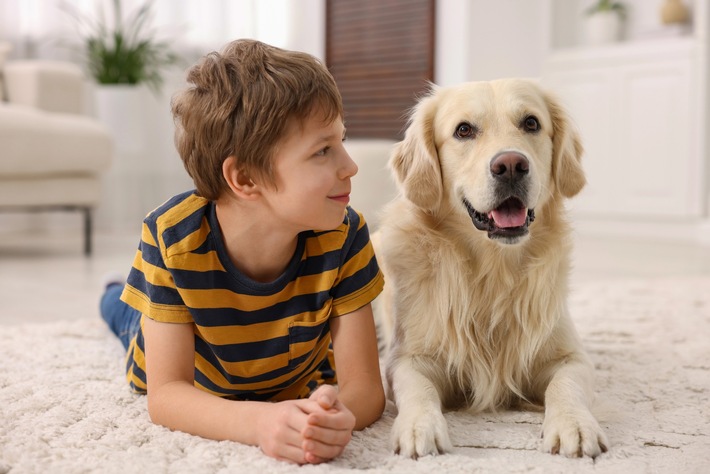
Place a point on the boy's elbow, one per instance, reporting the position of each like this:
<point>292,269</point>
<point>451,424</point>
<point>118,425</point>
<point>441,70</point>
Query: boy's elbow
<point>377,402</point>
<point>156,408</point>
<point>161,401</point>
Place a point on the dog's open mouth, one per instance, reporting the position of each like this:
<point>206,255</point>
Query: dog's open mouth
<point>510,219</point>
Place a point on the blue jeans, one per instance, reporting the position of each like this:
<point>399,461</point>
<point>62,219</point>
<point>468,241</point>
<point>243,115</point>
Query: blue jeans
<point>123,320</point>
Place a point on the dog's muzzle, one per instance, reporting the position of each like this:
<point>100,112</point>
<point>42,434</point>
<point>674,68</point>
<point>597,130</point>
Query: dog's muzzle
<point>508,221</point>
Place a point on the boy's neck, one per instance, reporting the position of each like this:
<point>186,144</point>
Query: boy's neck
<point>256,246</point>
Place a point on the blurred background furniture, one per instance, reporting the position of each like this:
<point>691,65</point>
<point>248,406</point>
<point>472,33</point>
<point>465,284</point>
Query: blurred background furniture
<point>372,186</point>
<point>51,155</point>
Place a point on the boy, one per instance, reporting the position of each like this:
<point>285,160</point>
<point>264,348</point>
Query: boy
<point>237,287</point>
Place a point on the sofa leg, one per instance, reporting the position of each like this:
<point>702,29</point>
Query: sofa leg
<point>87,231</point>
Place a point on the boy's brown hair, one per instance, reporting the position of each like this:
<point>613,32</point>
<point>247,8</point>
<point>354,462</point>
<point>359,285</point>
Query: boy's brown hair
<point>240,102</point>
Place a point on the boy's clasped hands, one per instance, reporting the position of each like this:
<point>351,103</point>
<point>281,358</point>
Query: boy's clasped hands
<point>312,430</point>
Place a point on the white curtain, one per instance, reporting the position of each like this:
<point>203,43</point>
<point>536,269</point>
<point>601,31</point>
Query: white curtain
<point>40,28</point>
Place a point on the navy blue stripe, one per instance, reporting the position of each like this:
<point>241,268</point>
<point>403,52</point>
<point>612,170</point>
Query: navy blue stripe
<point>352,218</point>
<point>152,255</point>
<point>206,246</point>
<point>321,263</point>
<point>272,391</point>
<point>359,241</point>
<point>205,351</point>
<point>248,351</point>
<point>185,227</point>
<point>210,317</point>
<point>317,233</point>
<point>244,352</point>
<point>216,279</point>
<point>129,359</point>
<point>308,333</point>
<point>169,204</point>
<point>202,349</point>
<point>152,219</point>
<point>207,280</point>
<point>157,294</point>
<point>357,280</point>
<point>353,235</point>
<point>133,367</point>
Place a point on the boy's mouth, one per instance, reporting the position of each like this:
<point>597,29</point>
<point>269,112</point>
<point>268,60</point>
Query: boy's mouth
<point>344,198</point>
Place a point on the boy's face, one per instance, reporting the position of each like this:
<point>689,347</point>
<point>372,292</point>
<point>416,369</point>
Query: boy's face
<point>312,172</point>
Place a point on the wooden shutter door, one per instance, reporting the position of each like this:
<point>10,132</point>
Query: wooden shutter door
<point>381,54</point>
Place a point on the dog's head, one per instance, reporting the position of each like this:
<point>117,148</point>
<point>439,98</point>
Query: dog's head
<point>495,151</point>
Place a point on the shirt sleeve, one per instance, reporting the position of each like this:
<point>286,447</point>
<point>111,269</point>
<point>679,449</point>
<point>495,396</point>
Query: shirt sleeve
<point>359,277</point>
<point>150,288</point>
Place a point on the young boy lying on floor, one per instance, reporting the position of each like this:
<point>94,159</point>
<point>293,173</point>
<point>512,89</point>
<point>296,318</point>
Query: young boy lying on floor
<point>246,293</point>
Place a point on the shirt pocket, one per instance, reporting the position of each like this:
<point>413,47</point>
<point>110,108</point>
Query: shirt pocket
<point>309,337</point>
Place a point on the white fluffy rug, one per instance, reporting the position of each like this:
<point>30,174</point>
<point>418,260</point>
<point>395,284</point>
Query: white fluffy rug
<point>65,408</point>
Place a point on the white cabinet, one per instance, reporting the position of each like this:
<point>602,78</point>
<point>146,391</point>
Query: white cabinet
<point>639,108</point>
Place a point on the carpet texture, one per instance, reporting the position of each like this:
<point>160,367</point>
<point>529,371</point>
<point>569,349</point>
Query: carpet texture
<point>65,407</point>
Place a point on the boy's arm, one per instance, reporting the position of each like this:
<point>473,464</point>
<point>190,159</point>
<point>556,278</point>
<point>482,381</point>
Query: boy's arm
<point>357,364</point>
<point>174,401</point>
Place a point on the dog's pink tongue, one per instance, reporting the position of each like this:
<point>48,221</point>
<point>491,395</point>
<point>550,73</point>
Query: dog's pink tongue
<point>507,216</point>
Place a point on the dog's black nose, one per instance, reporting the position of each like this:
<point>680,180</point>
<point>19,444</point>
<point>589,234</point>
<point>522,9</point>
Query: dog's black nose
<point>509,166</point>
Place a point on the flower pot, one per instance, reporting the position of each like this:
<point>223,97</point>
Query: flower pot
<point>602,28</point>
<point>121,108</point>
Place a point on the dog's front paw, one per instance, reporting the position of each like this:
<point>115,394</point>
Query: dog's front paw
<point>573,435</point>
<point>420,433</point>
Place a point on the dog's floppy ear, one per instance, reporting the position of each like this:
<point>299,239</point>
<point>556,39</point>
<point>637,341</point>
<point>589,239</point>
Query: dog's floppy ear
<point>415,161</point>
<point>567,150</point>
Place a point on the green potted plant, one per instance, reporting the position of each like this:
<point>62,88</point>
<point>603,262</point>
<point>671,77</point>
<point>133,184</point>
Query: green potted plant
<point>604,22</point>
<point>122,55</point>
<point>126,52</point>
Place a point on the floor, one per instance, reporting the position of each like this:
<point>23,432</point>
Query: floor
<point>45,277</point>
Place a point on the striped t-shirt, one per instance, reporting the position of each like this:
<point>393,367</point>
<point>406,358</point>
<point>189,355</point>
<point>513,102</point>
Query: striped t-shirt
<point>253,340</point>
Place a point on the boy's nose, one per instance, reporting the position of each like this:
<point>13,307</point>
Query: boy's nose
<point>349,167</point>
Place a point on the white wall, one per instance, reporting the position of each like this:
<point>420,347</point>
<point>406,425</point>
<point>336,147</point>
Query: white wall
<point>483,40</point>
<point>509,38</point>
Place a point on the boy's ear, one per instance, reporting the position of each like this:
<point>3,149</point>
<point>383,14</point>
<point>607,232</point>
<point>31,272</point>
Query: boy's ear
<point>238,181</point>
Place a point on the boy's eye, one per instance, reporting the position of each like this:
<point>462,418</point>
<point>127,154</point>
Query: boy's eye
<point>323,152</point>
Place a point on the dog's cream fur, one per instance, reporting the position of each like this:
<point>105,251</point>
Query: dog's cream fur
<point>474,322</point>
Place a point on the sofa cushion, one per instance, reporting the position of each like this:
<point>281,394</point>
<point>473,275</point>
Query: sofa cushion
<point>36,143</point>
<point>54,86</point>
<point>49,192</point>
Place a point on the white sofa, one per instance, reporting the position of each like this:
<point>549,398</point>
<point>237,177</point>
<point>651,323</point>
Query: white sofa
<point>51,156</point>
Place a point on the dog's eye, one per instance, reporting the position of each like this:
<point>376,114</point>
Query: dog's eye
<point>465,130</point>
<point>531,124</point>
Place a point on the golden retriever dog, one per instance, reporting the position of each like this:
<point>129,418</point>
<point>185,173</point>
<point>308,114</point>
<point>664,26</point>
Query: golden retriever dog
<point>476,252</point>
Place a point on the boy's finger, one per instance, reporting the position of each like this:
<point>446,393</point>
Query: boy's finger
<point>336,420</point>
<point>325,395</point>
<point>287,446</point>
<point>312,406</point>
<point>313,459</point>
<point>327,436</point>
<point>321,450</point>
